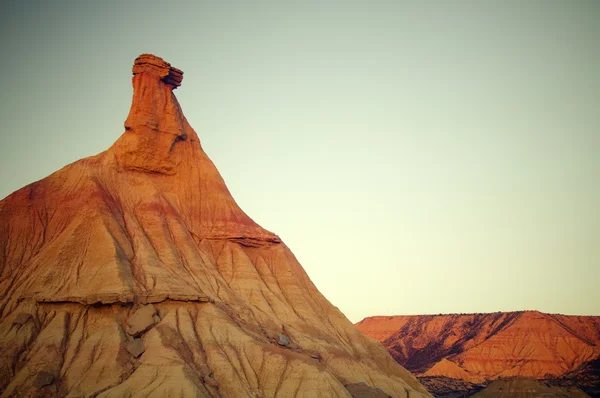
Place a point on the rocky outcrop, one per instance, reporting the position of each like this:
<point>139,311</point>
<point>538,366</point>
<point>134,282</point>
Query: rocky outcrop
<point>142,320</point>
<point>478,348</point>
<point>135,273</point>
<point>155,125</point>
<point>153,65</point>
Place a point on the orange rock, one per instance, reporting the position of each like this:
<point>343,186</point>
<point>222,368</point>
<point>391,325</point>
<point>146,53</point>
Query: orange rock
<point>446,368</point>
<point>141,320</point>
<point>150,220</point>
<point>478,347</point>
<point>153,65</point>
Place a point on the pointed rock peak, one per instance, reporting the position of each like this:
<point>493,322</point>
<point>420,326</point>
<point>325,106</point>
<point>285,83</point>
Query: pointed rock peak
<point>151,64</point>
<point>141,251</point>
<point>159,141</point>
<point>155,126</point>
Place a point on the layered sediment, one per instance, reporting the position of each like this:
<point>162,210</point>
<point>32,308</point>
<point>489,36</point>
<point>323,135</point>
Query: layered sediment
<point>135,273</point>
<point>479,348</point>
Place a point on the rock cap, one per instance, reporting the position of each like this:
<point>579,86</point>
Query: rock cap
<point>148,63</point>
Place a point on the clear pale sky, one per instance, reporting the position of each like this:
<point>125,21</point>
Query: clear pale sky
<point>417,157</point>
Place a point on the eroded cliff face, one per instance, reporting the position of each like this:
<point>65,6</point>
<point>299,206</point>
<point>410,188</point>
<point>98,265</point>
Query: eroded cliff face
<point>135,273</point>
<point>478,348</point>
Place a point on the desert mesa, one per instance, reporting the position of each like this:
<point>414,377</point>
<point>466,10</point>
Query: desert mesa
<point>503,351</point>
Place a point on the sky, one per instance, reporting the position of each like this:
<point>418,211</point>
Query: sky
<point>417,157</point>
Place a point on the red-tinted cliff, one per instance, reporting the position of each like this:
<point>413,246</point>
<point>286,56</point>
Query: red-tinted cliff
<point>478,347</point>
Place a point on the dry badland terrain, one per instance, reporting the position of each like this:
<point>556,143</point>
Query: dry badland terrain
<point>459,353</point>
<point>134,273</point>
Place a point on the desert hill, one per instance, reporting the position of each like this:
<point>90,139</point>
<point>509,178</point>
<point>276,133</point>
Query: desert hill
<point>523,387</point>
<point>135,273</point>
<point>478,348</point>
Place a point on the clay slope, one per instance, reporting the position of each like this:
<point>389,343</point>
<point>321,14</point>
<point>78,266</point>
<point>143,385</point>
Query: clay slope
<point>585,377</point>
<point>483,347</point>
<point>521,387</point>
<point>135,273</point>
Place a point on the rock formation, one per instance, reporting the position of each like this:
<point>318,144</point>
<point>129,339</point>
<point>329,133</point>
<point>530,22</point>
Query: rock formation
<point>478,348</point>
<point>135,273</point>
<point>151,64</point>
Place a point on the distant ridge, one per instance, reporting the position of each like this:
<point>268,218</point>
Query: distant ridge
<point>478,348</point>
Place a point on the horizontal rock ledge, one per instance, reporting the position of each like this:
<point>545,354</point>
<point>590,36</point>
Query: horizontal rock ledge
<point>95,300</point>
<point>148,63</point>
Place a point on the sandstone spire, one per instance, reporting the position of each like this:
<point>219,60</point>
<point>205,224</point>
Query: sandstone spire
<point>135,273</point>
<point>155,123</point>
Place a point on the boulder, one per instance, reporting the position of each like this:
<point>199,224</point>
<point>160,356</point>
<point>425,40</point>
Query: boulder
<point>135,347</point>
<point>43,379</point>
<point>142,320</point>
<point>21,318</point>
<point>283,340</point>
